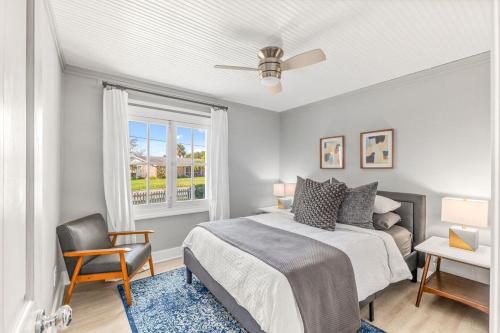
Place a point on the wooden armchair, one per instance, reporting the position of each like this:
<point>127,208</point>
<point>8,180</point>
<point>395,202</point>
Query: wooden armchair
<point>90,254</point>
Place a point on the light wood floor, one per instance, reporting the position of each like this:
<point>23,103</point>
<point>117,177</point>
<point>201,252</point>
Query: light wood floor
<point>97,307</point>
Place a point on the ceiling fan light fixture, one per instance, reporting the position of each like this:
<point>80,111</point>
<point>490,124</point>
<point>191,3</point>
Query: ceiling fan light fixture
<point>271,66</point>
<point>269,81</point>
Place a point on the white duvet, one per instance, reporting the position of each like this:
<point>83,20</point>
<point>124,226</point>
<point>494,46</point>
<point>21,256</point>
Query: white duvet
<point>265,292</point>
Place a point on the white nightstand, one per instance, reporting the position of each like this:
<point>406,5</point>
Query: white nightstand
<point>447,285</point>
<point>274,209</point>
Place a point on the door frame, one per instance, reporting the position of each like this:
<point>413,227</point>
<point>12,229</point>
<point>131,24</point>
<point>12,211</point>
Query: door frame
<point>25,317</point>
<point>495,159</point>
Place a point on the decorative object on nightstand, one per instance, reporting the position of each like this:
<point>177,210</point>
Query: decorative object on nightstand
<point>284,192</point>
<point>469,292</point>
<point>466,212</point>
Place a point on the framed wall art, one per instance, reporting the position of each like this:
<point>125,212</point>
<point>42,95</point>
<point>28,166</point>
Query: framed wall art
<point>332,152</point>
<point>377,149</point>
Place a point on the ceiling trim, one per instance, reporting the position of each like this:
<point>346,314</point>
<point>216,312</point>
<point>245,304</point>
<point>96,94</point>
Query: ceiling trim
<point>135,82</point>
<point>163,88</point>
<point>424,74</point>
<point>53,30</point>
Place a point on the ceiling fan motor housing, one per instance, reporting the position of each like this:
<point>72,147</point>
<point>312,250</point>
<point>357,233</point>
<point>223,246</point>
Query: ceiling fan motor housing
<point>270,62</point>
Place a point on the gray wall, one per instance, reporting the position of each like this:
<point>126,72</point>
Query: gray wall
<point>253,161</point>
<point>46,157</point>
<point>441,119</point>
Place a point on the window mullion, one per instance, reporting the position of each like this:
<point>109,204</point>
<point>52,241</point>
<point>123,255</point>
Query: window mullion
<point>147,164</point>
<point>167,166</point>
<point>192,164</point>
<point>171,156</point>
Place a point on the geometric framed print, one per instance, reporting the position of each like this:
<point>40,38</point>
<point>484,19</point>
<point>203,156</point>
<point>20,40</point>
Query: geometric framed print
<point>331,152</point>
<point>377,149</point>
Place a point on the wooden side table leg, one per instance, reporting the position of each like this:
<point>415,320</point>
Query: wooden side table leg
<point>438,264</point>
<point>424,278</point>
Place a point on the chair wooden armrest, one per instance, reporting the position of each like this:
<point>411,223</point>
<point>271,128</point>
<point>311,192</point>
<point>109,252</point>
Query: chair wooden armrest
<point>82,253</point>
<point>137,232</point>
<point>114,234</point>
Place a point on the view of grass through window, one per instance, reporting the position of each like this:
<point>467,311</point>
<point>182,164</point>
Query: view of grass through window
<point>148,162</point>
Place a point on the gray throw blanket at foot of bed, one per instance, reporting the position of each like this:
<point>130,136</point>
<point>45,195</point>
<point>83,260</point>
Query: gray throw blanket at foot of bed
<point>321,276</point>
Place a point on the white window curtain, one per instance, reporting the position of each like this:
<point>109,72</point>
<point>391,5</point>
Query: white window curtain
<point>116,162</point>
<point>218,174</point>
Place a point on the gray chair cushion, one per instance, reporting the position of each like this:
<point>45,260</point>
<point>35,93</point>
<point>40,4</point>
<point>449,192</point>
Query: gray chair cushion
<point>87,233</point>
<point>111,262</point>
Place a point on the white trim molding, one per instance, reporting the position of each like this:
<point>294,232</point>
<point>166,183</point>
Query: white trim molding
<point>26,318</point>
<point>167,254</point>
<point>139,83</point>
<point>495,191</point>
<point>53,30</point>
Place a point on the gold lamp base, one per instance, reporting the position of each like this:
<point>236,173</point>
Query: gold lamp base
<point>284,203</point>
<point>463,238</point>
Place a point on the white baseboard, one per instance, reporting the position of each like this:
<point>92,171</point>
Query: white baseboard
<point>57,300</point>
<point>167,254</point>
<point>59,291</point>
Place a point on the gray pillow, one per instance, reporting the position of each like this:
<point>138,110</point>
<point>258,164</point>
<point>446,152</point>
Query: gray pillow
<point>386,220</point>
<point>297,196</point>
<point>320,204</point>
<point>357,208</point>
<point>402,238</point>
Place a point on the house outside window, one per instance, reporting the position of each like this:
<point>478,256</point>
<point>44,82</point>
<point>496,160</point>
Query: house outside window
<point>168,161</point>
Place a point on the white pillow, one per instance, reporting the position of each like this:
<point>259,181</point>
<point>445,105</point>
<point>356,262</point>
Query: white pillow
<point>384,205</point>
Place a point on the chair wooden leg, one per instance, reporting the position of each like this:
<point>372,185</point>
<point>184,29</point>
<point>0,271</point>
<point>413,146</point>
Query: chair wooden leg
<point>76,271</point>
<point>151,267</point>
<point>126,283</point>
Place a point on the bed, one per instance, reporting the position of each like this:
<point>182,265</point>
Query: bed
<point>261,299</point>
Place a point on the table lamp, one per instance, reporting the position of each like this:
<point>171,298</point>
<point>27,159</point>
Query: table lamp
<point>284,192</point>
<point>467,212</point>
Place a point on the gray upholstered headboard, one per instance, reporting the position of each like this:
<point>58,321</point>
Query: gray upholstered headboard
<point>412,212</point>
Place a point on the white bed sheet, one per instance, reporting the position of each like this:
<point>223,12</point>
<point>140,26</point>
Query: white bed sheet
<point>266,293</point>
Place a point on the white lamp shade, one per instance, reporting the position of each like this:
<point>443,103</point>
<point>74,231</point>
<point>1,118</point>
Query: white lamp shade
<point>290,189</point>
<point>284,189</point>
<point>279,190</point>
<point>465,211</point>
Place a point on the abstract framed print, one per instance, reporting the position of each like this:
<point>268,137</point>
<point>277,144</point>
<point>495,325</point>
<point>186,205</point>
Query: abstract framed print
<point>332,152</point>
<point>377,149</point>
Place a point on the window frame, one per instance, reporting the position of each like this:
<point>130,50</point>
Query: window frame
<point>151,113</point>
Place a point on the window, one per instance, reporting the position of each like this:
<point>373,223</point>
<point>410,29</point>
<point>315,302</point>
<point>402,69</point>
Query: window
<point>168,161</point>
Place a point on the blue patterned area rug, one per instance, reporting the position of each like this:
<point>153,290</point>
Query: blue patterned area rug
<point>165,303</point>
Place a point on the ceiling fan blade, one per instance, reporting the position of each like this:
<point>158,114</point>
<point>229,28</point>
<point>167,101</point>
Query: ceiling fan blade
<point>275,89</point>
<point>303,59</point>
<point>236,68</point>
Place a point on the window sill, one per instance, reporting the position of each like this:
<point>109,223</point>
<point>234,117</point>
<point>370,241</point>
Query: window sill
<point>152,213</point>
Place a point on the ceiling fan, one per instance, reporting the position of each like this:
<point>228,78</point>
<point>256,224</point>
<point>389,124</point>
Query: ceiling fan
<point>270,65</point>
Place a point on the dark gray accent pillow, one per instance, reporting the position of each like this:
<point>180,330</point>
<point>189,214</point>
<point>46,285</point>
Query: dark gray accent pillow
<point>357,208</point>
<point>320,204</point>
<point>297,196</point>
<point>386,220</point>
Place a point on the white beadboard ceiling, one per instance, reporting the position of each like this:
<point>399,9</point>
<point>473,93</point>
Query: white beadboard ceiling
<point>178,42</point>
